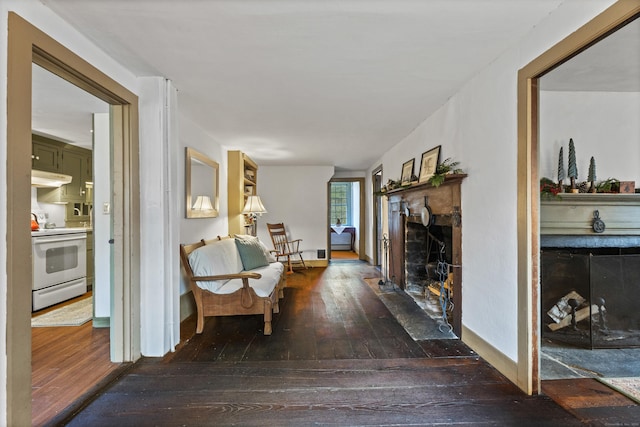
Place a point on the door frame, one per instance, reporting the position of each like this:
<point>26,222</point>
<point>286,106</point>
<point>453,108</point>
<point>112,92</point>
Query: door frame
<point>377,225</point>
<point>27,45</point>
<point>617,15</point>
<point>361,216</point>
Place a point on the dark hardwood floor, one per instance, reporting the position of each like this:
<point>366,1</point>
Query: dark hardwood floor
<point>336,356</point>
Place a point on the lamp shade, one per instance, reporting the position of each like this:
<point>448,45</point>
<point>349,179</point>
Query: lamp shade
<point>203,203</point>
<point>254,206</point>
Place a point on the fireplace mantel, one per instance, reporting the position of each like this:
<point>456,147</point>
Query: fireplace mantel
<point>573,214</point>
<point>444,203</point>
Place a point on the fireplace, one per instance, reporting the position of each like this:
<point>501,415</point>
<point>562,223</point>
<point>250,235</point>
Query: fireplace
<point>413,246</point>
<point>422,252</point>
<point>590,276</point>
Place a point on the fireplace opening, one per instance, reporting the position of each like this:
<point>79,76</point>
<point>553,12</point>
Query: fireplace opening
<point>589,296</point>
<point>424,249</point>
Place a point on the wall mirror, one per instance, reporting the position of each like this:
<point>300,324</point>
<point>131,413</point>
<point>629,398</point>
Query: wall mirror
<point>201,185</point>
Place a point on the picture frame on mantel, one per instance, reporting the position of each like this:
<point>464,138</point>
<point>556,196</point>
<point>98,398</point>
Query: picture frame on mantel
<point>407,172</point>
<point>429,163</point>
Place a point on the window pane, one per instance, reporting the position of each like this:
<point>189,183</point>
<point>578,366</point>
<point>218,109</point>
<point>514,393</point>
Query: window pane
<point>340,203</point>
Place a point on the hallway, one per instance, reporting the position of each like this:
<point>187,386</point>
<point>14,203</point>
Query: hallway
<point>337,356</point>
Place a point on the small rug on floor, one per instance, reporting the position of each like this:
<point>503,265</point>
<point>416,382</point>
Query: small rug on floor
<point>629,386</point>
<point>75,314</point>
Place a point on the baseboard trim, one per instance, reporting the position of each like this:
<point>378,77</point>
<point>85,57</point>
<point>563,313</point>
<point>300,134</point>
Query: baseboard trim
<point>492,355</point>
<point>316,263</point>
<point>101,322</point>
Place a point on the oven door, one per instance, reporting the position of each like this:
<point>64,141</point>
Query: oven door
<point>58,259</point>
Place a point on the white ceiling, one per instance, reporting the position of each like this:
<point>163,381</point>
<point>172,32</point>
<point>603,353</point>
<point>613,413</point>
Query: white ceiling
<point>612,65</point>
<point>63,111</point>
<point>313,82</point>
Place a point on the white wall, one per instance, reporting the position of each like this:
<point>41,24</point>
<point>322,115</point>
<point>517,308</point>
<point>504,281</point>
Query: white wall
<point>296,196</point>
<point>602,124</point>
<point>194,229</point>
<point>101,221</point>
<point>159,204</point>
<point>477,127</point>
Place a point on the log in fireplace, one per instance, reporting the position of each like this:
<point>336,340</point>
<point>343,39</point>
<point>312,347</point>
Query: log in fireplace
<point>409,239</point>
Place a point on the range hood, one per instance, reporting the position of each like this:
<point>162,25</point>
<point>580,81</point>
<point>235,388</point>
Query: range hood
<point>44,179</point>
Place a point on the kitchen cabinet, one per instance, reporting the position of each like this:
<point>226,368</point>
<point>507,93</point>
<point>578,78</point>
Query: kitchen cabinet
<point>78,163</point>
<point>45,154</point>
<point>242,182</point>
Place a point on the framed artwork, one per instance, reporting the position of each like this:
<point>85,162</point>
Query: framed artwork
<point>428,164</point>
<point>407,172</point>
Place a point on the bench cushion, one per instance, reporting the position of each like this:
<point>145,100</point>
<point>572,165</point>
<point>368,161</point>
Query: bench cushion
<point>263,286</point>
<point>213,259</point>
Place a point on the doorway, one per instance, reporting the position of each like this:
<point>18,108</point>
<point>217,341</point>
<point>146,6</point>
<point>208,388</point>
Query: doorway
<point>27,45</point>
<point>73,127</point>
<point>378,215</point>
<point>528,377</point>
<point>591,98</point>
<point>346,219</point>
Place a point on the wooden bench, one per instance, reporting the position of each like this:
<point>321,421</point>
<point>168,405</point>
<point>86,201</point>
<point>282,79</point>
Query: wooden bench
<point>227,289</point>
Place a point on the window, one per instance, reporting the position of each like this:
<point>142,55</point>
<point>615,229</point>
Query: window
<point>341,202</point>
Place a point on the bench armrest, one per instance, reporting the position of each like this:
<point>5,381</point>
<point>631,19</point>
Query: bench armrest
<point>243,275</point>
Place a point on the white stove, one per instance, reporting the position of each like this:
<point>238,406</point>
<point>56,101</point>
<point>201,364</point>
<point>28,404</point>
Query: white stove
<point>59,265</point>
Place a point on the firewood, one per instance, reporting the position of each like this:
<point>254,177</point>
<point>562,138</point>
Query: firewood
<point>581,314</point>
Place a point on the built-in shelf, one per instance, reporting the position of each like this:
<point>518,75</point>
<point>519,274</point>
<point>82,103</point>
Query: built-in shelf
<point>242,182</point>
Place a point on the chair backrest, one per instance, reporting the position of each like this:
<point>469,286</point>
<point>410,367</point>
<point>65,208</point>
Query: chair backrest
<point>278,237</point>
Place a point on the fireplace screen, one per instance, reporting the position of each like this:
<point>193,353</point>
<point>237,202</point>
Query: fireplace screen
<point>589,298</point>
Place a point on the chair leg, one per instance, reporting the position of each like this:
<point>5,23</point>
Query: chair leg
<point>303,264</point>
<point>289,262</point>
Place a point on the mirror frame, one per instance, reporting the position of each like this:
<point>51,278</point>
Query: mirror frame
<point>192,155</point>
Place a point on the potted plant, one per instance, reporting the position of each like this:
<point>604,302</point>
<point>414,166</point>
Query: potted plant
<point>448,166</point>
<point>609,185</point>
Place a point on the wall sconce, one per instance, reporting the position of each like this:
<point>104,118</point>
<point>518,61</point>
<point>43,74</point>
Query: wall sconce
<point>254,207</point>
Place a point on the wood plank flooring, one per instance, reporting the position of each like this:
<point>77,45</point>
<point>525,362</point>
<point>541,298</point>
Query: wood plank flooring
<point>66,363</point>
<point>336,357</point>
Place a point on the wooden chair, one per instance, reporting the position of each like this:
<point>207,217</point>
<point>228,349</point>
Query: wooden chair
<point>285,248</point>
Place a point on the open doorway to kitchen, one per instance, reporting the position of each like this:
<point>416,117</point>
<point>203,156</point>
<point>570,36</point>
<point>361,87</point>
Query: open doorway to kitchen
<point>28,45</point>
<point>346,219</point>
<point>70,139</point>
